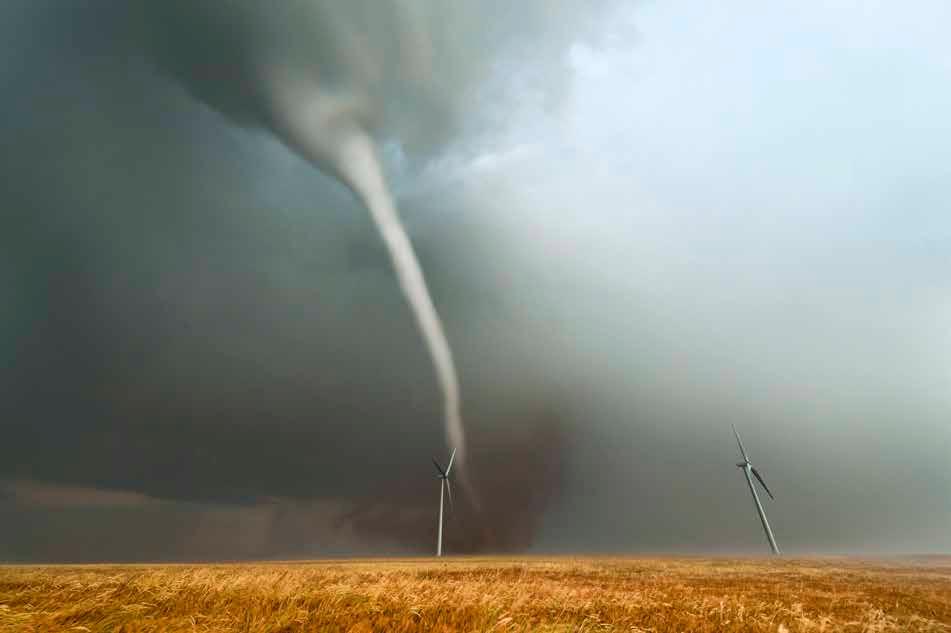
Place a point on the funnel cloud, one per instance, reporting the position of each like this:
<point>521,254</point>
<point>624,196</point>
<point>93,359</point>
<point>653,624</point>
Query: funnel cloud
<point>313,72</point>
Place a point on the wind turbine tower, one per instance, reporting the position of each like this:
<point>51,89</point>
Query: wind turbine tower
<point>444,486</point>
<point>748,470</point>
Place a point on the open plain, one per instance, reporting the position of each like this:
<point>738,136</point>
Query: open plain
<point>485,594</point>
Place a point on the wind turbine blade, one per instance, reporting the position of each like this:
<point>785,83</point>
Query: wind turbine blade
<point>449,490</point>
<point>451,457</point>
<point>762,483</point>
<point>740,443</point>
<point>442,473</point>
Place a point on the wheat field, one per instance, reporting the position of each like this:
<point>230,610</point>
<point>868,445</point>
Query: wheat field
<point>484,594</point>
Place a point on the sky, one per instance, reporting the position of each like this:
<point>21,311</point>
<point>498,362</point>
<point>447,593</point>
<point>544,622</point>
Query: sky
<point>640,222</point>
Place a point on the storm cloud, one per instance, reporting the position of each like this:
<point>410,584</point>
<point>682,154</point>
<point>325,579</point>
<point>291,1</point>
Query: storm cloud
<point>639,224</point>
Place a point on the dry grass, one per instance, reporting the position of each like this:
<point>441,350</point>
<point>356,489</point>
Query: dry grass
<point>565,594</point>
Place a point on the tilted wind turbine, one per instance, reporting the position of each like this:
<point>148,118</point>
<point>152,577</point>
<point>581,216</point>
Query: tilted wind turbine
<point>444,485</point>
<point>747,469</point>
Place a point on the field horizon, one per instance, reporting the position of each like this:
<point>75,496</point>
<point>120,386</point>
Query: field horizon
<point>908,557</point>
<point>485,593</point>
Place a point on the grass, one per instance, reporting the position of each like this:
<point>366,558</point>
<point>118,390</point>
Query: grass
<point>484,594</point>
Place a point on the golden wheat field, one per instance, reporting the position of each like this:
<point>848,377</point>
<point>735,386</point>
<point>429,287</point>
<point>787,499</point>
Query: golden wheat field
<point>485,594</point>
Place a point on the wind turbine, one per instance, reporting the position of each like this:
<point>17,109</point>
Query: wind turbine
<point>747,469</point>
<point>444,485</point>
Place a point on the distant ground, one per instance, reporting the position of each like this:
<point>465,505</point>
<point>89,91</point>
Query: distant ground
<point>485,594</point>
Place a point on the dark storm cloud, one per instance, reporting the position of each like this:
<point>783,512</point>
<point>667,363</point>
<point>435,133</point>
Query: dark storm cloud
<point>198,317</point>
<point>414,68</point>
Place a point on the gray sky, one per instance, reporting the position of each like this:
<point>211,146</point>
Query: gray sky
<point>640,224</point>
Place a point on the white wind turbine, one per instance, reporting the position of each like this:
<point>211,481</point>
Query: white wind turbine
<point>444,485</point>
<point>747,469</point>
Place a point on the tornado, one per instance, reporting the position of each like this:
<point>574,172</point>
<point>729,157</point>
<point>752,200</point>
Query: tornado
<point>326,130</point>
<point>329,78</point>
